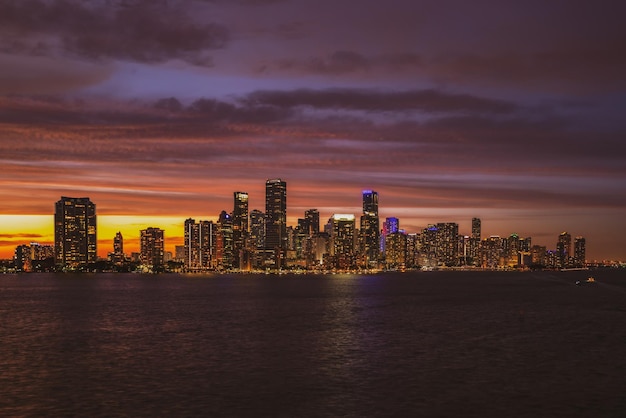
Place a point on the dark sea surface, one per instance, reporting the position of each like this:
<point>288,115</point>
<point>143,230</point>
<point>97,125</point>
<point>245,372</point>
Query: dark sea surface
<point>431,344</point>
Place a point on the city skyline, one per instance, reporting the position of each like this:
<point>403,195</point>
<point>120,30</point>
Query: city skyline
<point>511,112</point>
<point>80,214</point>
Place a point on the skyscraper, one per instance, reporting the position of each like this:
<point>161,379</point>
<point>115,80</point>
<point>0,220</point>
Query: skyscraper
<point>257,230</point>
<point>474,242</point>
<point>152,247</point>
<point>564,249</point>
<point>118,244</point>
<point>579,252</point>
<point>447,239</point>
<point>199,245</point>
<point>75,243</point>
<point>224,241</point>
<point>312,217</point>
<point>118,249</point>
<point>342,240</point>
<point>369,229</point>
<point>276,215</point>
<point>476,228</point>
<point>240,227</point>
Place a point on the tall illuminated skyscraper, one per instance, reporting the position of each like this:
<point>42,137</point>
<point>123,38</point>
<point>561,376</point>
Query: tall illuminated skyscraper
<point>476,228</point>
<point>312,217</point>
<point>341,227</point>
<point>152,247</point>
<point>118,244</point>
<point>275,214</point>
<point>75,243</point>
<point>370,229</point>
<point>257,230</point>
<point>564,249</point>
<point>579,252</point>
<point>118,249</point>
<point>199,245</point>
<point>224,241</point>
<point>240,227</point>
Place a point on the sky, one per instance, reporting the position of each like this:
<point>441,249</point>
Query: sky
<point>158,110</point>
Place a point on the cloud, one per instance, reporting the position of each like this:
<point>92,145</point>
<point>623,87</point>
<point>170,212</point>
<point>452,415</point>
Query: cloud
<point>20,74</point>
<point>142,31</point>
<point>343,62</point>
<point>429,100</point>
<point>21,236</point>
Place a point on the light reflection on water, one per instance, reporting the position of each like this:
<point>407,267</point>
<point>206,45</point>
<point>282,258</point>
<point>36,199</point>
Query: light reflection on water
<point>447,344</point>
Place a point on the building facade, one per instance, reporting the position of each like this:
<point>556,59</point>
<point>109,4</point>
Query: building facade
<point>276,239</point>
<point>75,242</point>
<point>370,230</point>
<point>152,247</point>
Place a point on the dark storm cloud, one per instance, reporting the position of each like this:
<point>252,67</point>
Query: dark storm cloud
<point>131,30</point>
<point>429,101</point>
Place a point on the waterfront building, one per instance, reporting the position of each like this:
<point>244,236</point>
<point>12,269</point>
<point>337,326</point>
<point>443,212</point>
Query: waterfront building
<point>491,252</point>
<point>312,217</point>
<point>179,254</point>
<point>118,256</point>
<point>579,252</point>
<point>370,230</point>
<point>21,258</point>
<point>275,214</point>
<point>75,242</point>
<point>395,250</point>
<point>224,242</point>
<point>276,239</point>
<point>476,228</point>
<point>240,229</point>
<point>390,226</point>
<point>341,251</point>
<point>564,250</point>
<point>538,255</point>
<point>199,245</point>
<point>447,249</point>
<point>256,238</point>
<point>152,247</point>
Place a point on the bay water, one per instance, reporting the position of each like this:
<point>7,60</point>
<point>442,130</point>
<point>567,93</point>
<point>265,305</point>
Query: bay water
<point>432,344</point>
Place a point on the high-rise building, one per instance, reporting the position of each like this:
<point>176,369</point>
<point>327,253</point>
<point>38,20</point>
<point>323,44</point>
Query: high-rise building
<point>579,252</point>
<point>22,259</point>
<point>224,242</point>
<point>473,249</point>
<point>370,229</point>
<point>199,245</point>
<point>276,215</point>
<point>240,228</point>
<point>538,255</point>
<point>564,249</point>
<point>476,228</point>
<point>75,243</point>
<point>390,226</point>
<point>117,256</point>
<point>395,250</point>
<point>152,247</point>
<point>256,238</point>
<point>341,229</point>
<point>118,244</point>
<point>312,217</point>
<point>447,239</point>
<point>491,252</point>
